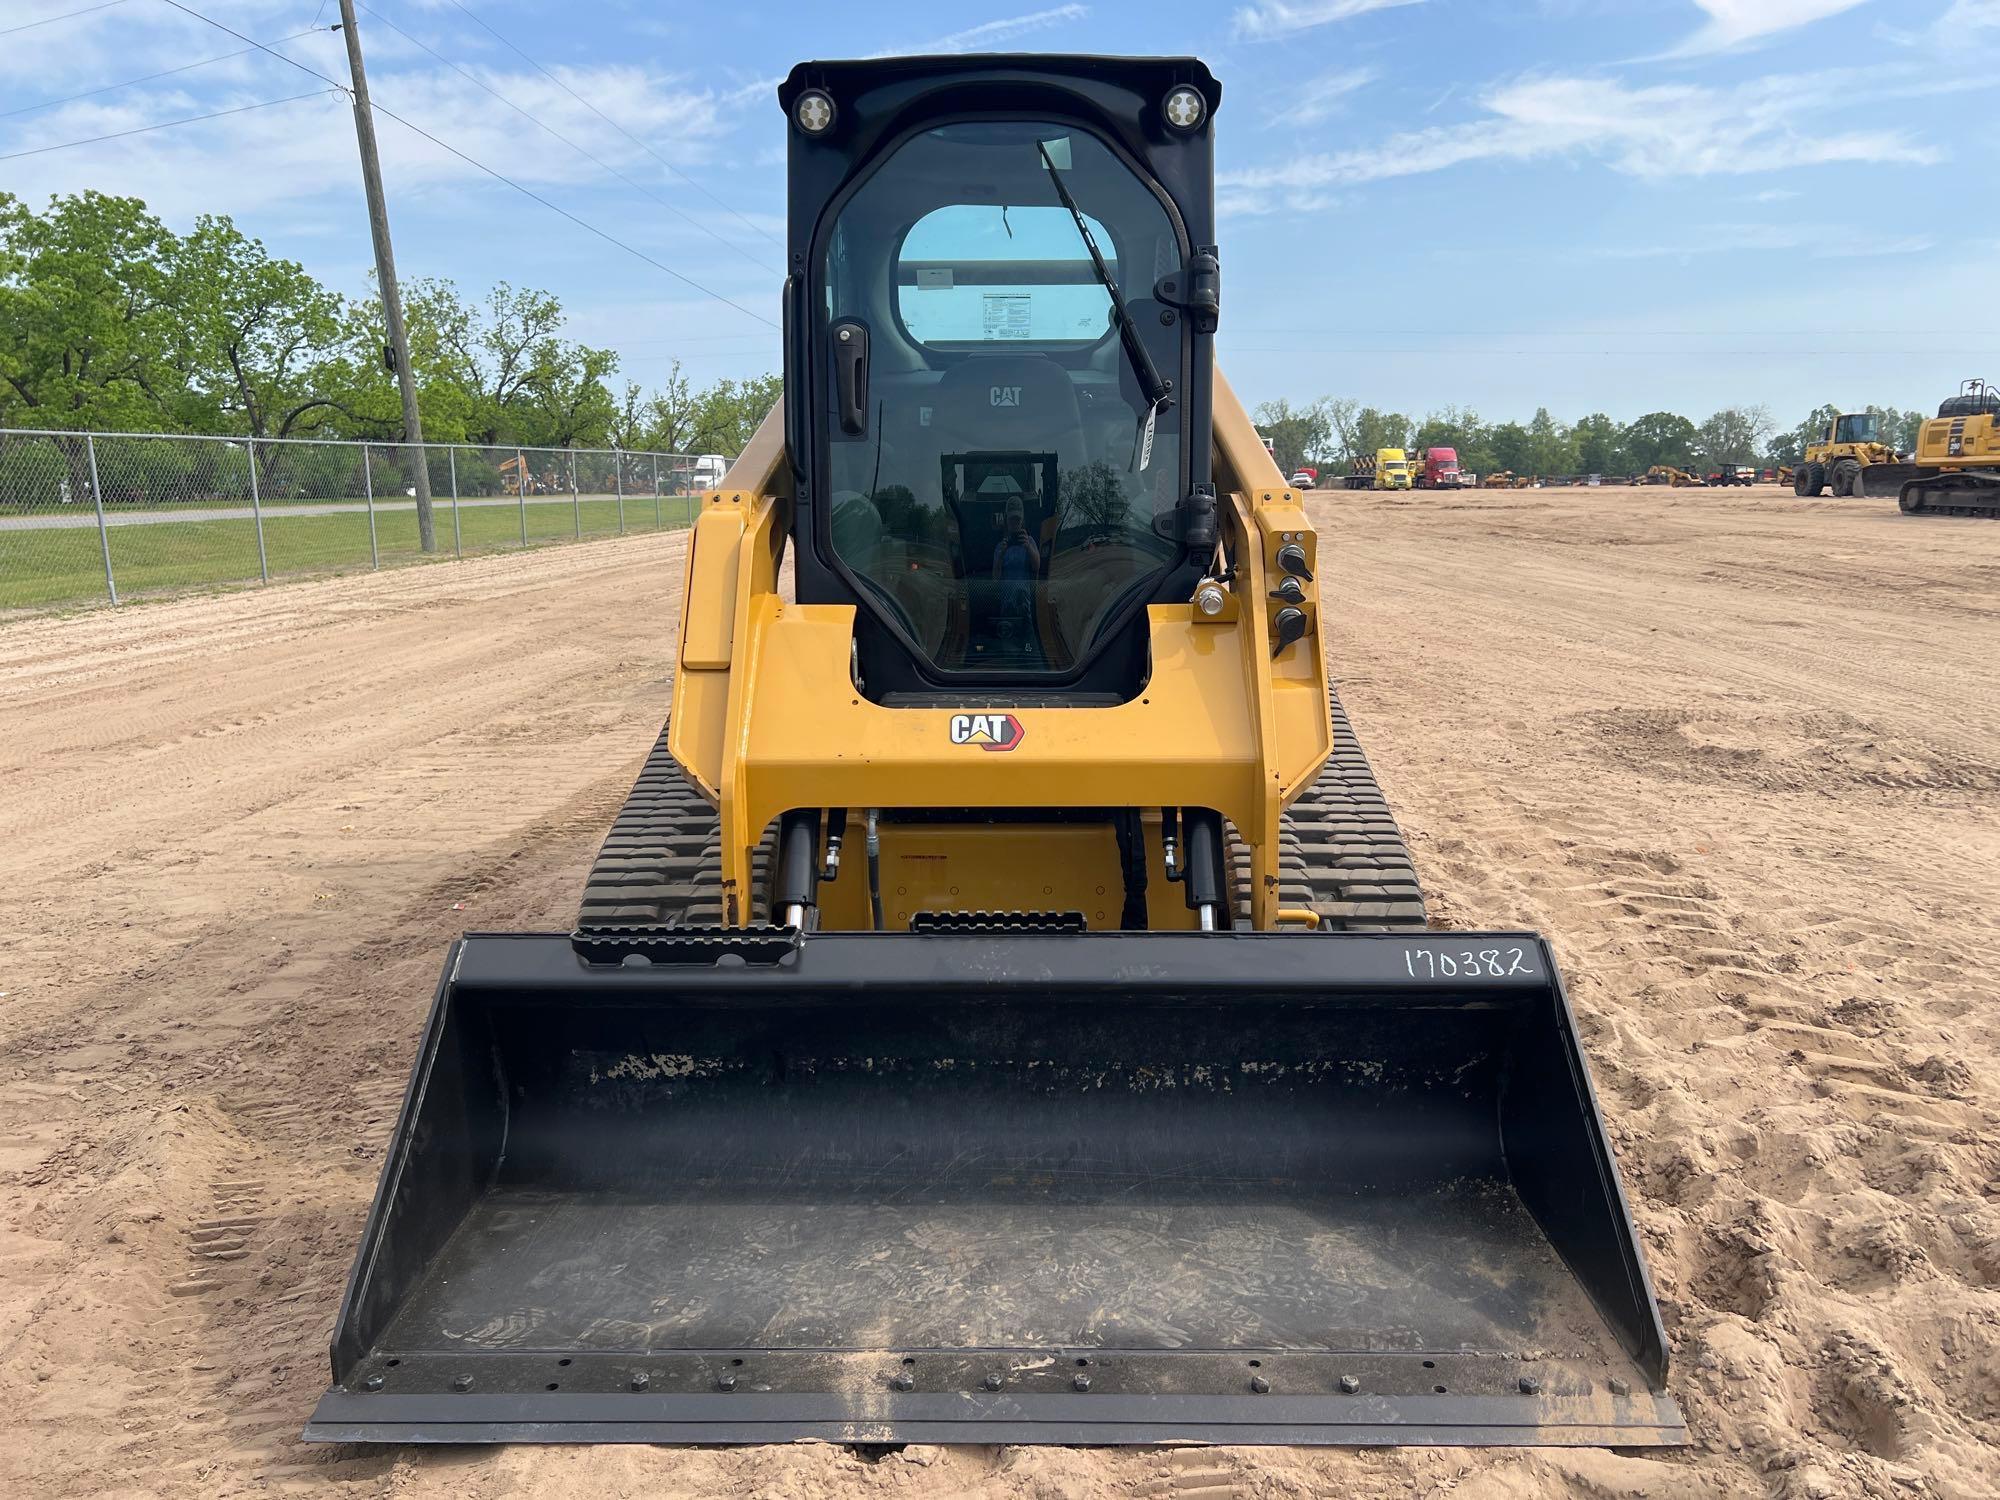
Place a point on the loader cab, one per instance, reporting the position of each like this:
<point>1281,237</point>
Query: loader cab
<point>1856,427</point>
<point>999,322</point>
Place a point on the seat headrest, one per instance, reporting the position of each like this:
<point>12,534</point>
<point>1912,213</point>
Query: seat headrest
<point>1010,401</point>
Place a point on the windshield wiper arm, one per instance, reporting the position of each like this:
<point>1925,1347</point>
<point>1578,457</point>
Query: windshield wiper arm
<point>1157,391</point>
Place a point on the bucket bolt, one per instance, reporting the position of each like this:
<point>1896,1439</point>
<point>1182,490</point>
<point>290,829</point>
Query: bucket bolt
<point>1081,1382</point>
<point>1620,1386</point>
<point>903,1381</point>
<point>1259,1384</point>
<point>1349,1385</point>
<point>462,1383</point>
<point>641,1381</point>
<point>993,1382</point>
<point>726,1381</point>
<point>372,1383</point>
<point>1530,1385</point>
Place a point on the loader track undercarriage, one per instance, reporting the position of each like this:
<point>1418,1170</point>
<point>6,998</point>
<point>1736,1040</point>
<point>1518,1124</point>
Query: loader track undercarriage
<point>1341,854</point>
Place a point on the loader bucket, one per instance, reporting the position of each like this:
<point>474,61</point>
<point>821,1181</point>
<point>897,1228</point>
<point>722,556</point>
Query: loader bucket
<point>989,1187</point>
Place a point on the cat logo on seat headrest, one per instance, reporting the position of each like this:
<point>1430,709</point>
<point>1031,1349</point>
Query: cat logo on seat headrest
<point>987,731</point>
<point>1006,395</point>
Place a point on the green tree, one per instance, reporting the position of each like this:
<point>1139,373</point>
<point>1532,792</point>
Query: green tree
<point>1552,449</point>
<point>1905,428</point>
<point>1660,437</point>
<point>1734,435</point>
<point>87,331</point>
<point>730,411</point>
<point>1298,435</point>
<point>259,337</point>
<point>569,404</point>
<point>364,388</point>
<point>1600,447</point>
<point>1379,429</point>
<point>1508,447</point>
<point>1790,447</point>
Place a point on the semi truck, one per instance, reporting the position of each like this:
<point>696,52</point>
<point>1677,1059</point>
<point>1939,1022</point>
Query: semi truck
<point>1388,469</point>
<point>1437,469</point>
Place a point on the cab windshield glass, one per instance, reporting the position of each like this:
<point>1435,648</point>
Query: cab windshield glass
<point>998,505</point>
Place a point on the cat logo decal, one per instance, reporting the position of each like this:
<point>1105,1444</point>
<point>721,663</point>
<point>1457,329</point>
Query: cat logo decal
<point>987,731</point>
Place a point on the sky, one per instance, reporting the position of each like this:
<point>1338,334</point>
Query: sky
<point>1589,205</point>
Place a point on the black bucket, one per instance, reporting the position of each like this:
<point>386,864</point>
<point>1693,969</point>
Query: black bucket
<point>1092,1188</point>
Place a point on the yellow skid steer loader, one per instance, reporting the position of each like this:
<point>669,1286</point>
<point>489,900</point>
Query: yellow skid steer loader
<point>1004,1011</point>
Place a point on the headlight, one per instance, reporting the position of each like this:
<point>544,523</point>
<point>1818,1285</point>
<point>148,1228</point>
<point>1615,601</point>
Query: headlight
<point>1184,108</point>
<point>813,111</point>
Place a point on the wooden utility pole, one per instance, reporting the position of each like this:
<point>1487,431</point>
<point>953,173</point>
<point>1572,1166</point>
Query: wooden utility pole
<point>385,276</point>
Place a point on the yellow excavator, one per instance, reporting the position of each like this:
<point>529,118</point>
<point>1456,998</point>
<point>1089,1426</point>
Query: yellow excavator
<point>1957,463</point>
<point>1004,1011</point>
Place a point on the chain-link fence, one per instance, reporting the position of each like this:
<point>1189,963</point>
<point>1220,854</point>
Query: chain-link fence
<point>102,517</point>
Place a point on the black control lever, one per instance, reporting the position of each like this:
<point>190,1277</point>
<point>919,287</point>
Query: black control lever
<point>850,367</point>
<point>1292,559</point>
<point>1290,590</point>
<point>1289,626</point>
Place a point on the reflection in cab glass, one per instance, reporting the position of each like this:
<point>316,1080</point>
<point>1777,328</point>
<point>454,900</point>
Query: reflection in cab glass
<point>999,453</point>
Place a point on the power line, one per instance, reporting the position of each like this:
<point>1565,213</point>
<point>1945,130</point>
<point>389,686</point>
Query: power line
<point>119,135</point>
<point>531,62</point>
<point>66,15</point>
<point>531,118</point>
<point>497,176</point>
<point>585,224</point>
<point>147,77</point>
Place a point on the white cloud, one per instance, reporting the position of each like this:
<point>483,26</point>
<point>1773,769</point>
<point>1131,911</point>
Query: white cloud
<point>1734,23</point>
<point>1662,130</point>
<point>301,151</point>
<point>994,33</point>
<point>1968,15</point>
<point>1775,195</point>
<point>1281,18</point>
<point>1316,102</point>
<point>1817,241</point>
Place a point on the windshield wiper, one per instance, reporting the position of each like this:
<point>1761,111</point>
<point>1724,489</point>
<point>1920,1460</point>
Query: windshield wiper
<point>1156,390</point>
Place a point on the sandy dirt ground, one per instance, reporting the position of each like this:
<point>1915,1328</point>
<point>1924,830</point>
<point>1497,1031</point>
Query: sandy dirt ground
<point>1738,754</point>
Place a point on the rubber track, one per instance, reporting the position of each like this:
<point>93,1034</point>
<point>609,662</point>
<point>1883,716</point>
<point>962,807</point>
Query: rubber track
<point>1340,852</point>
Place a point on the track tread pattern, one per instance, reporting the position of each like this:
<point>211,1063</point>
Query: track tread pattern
<point>1340,853</point>
<point>661,864</point>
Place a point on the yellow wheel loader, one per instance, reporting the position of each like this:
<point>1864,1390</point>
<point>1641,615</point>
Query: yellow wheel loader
<point>1004,1011</point>
<point>1851,459</point>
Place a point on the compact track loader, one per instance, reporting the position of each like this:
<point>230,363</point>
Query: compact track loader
<point>1004,1011</point>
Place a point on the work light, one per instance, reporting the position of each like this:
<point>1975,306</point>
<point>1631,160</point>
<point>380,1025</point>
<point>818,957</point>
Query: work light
<point>814,111</point>
<point>1184,108</point>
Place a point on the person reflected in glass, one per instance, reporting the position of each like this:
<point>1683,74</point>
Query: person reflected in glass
<point>1017,563</point>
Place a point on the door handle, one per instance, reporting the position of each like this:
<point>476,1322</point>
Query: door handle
<point>850,367</point>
